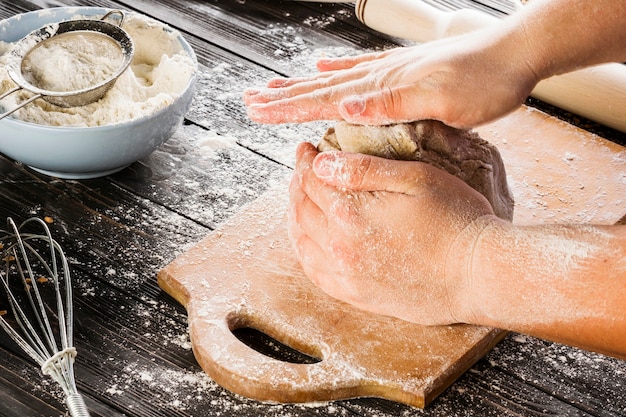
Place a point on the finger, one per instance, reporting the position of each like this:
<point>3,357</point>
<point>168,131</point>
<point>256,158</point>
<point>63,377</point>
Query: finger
<point>335,84</point>
<point>316,265</point>
<point>310,184</point>
<point>304,213</point>
<point>319,105</point>
<point>288,82</point>
<point>310,255</point>
<point>359,172</point>
<point>307,179</point>
<point>306,99</point>
<point>342,63</point>
<point>284,88</point>
<point>335,203</point>
<point>263,95</point>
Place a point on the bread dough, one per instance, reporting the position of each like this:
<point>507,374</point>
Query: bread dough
<point>459,152</point>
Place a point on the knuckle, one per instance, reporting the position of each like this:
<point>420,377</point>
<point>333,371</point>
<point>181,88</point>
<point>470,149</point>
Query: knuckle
<point>391,102</point>
<point>361,171</point>
<point>342,211</point>
<point>344,255</point>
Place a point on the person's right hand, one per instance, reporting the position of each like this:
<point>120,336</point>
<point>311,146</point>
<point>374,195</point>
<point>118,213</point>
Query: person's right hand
<point>463,81</point>
<point>390,237</point>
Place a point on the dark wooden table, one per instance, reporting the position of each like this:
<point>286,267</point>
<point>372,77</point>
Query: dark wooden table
<point>119,231</point>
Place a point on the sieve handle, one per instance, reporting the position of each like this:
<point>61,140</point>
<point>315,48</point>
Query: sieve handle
<point>22,104</point>
<point>116,11</point>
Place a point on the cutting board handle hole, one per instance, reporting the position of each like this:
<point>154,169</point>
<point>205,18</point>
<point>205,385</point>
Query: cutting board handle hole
<point>268,346</point>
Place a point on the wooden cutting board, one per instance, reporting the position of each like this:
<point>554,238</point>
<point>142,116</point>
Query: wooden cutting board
<point>244,275</point>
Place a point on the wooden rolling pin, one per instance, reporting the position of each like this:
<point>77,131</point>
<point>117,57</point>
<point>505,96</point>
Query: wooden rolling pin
<point>597,93</point>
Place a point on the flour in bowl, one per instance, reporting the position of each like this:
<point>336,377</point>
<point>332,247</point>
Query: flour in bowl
<point>159,74</point>
<point>72,61</point>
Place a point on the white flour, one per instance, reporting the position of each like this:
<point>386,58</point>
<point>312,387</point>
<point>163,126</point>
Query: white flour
<point>72,62</point>
<point>159,73</point>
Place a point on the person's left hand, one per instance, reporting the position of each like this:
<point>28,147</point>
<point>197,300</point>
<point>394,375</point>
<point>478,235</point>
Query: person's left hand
<point>463,81</point>
<point>377,233</point>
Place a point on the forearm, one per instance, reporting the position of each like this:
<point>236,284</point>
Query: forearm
<point>559,36</point>
<point>561,283</point>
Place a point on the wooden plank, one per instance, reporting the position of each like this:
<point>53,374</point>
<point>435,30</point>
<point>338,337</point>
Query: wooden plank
<point>13,8</point>
<point>262,31</point>
<point>591,382</point>
<point>484,391</point>
<point>25,392</point>
<point>204,176</point>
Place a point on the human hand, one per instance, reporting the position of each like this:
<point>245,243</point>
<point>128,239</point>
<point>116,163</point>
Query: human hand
<point>463,81</point>
<point>384,235</point>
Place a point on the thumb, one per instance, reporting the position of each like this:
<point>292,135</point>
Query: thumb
<point>359,172</point>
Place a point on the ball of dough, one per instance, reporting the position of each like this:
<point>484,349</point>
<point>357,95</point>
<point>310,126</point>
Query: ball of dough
<point>459,152</point>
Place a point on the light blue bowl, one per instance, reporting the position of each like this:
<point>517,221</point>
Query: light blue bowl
<point>85,152</point>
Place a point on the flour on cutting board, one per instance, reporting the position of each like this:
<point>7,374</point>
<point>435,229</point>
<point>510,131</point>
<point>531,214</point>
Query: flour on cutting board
<point>566,185</point>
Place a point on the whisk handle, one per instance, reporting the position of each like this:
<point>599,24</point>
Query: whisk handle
<point>76,405</point>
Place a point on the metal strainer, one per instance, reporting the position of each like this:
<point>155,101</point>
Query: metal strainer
<point>27,74</point>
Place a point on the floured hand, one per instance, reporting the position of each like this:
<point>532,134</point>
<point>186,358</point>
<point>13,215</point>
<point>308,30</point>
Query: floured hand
<point>378,233</point>
<point>462,81</point>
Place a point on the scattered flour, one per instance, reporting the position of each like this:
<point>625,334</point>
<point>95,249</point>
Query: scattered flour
<point>219,108</point>
<point>189,390</point>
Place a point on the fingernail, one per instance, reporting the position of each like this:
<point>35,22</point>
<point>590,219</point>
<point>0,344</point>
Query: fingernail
<point>324,61</point>
<point>254,112</point>
<point>328,164</point>
<point>354,105</point>
<point>277,82</point>
<point>251,92</point>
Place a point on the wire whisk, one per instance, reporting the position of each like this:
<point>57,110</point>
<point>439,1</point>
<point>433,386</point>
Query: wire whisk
<point>39,317</point>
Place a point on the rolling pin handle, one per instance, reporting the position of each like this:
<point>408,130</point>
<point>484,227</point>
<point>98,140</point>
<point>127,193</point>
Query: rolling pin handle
<point>416,20</point>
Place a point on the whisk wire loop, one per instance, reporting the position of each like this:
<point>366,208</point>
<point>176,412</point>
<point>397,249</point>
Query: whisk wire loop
<point>44,333</point>
<point>29,281</point>
<point>28,339</point>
